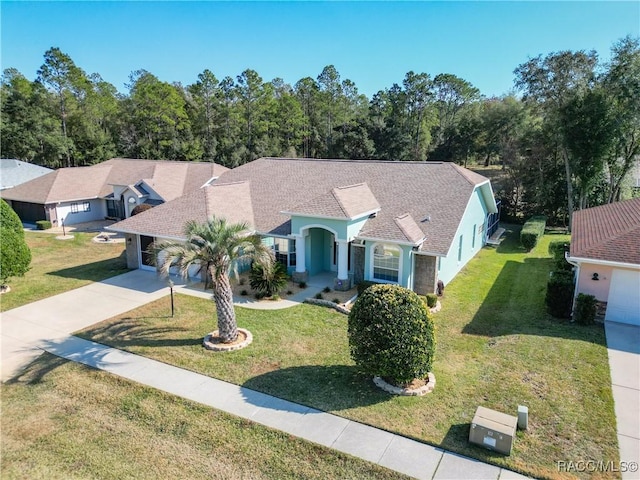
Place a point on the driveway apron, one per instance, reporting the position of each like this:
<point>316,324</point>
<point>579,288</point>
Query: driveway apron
<point>623,348</point>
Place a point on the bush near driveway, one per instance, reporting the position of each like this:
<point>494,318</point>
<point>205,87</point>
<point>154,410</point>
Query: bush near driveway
<point>58,266</point>
<point>15,255</point>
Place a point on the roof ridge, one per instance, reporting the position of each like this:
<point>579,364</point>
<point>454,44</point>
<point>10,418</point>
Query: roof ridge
<point>359,160</point>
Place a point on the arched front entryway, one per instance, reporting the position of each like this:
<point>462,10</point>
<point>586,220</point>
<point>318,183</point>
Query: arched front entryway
<point>319,250</point>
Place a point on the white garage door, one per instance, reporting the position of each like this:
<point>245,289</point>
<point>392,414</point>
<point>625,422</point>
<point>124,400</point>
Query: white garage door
<point>624,297</point>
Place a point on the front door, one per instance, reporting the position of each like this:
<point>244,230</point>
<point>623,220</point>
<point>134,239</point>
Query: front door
<point>147,258</point>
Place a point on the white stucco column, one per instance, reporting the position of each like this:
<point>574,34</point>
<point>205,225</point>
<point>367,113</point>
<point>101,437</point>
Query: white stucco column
<point>300,257</point>
<point>343,259</point>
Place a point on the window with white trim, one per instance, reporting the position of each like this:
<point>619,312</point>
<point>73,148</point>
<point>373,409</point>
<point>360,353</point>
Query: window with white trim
<point>386,263</point>
<point>281,250</point>
<point>74,207</point>
<point>460,249</point>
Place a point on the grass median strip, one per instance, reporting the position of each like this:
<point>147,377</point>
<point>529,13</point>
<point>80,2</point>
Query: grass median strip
<point>63,420</point>
<point>496,347</point>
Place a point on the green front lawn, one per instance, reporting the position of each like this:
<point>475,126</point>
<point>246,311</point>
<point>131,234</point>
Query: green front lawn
<point>62,420</point>
<point>496,347</point>
<point>61,265</point>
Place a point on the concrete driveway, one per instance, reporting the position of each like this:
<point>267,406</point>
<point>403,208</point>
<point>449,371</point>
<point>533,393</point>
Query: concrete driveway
<point>24,330</point>
<point>623,346</point>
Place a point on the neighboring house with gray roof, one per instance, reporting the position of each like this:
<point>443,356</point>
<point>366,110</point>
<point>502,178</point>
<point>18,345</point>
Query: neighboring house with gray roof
<point>106,190</point>
<point>605,246</point>
<point>411,223</point>
<point>16,172</point>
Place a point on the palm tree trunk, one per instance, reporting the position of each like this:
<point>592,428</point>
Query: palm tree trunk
<point>223,296</point>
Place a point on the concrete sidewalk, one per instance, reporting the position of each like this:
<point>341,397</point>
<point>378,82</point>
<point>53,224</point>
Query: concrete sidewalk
<point>47,324</point>
<point>392,451</point>
<point>623,348</point>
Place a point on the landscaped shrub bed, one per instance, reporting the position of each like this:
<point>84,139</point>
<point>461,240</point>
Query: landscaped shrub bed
<point>43,224</point>
<point>558,249</point>
<point>431,299</point>
<point>532,231</point>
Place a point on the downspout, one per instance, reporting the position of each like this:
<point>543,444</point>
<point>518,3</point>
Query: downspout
<point>576,277</point>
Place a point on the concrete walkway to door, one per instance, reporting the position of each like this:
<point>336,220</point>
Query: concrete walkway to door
<point>623,348</point>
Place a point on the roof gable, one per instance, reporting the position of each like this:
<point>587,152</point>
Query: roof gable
<point>347,202</point>
<point>609,232</point>
<point>231,201</point>
<point>409,228</point>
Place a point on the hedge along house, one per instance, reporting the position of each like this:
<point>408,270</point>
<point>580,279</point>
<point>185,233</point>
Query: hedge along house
<point>106,190</point>
<point>409,223</point>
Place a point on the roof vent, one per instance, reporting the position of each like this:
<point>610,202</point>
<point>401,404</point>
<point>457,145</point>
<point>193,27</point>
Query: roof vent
<point>373,215</point>
<point>426,219</point>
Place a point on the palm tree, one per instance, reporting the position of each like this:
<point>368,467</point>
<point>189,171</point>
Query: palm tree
<point>217,248</point>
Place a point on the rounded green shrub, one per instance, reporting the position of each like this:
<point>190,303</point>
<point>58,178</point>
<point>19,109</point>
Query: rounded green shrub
<point>391,334</point>
<point>431,299</point>
<point>43,224</point>
<point>15,255</point>
<point>559,297</point>
<point>585,310</point>
<point>362,286</point>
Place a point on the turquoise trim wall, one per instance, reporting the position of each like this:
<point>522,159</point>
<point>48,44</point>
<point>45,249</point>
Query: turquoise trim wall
<point>344,229</point>
<point>302,223</point>
<point>471,231</point>
<point>473,238</point>
<point>406,270</point>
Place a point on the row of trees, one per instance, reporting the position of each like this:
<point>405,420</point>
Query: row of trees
<point>566,139</point>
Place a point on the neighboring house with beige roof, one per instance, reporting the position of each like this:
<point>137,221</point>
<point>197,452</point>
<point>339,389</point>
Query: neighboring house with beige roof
<point>410,223</point>
<point>605,246</point>
<point>106,190</point>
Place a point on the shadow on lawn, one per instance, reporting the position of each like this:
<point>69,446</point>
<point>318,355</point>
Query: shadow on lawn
<point>325,387</point>
<point>129,333</point>
<point>35,372</point>
<point>95,271</point>
<point>515,304</point>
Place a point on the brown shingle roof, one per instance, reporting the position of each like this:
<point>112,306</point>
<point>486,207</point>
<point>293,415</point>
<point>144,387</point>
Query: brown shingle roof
<point>351,201</point>
<point>231,201</point>
<point>66,184</point>
<point>440,191</point>
<point>169,179</point>
<point>609,232</point>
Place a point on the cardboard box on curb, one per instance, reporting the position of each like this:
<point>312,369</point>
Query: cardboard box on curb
<point>493,430</point>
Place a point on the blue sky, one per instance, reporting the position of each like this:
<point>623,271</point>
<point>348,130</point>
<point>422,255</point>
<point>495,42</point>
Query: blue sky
<point>372,43</point>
